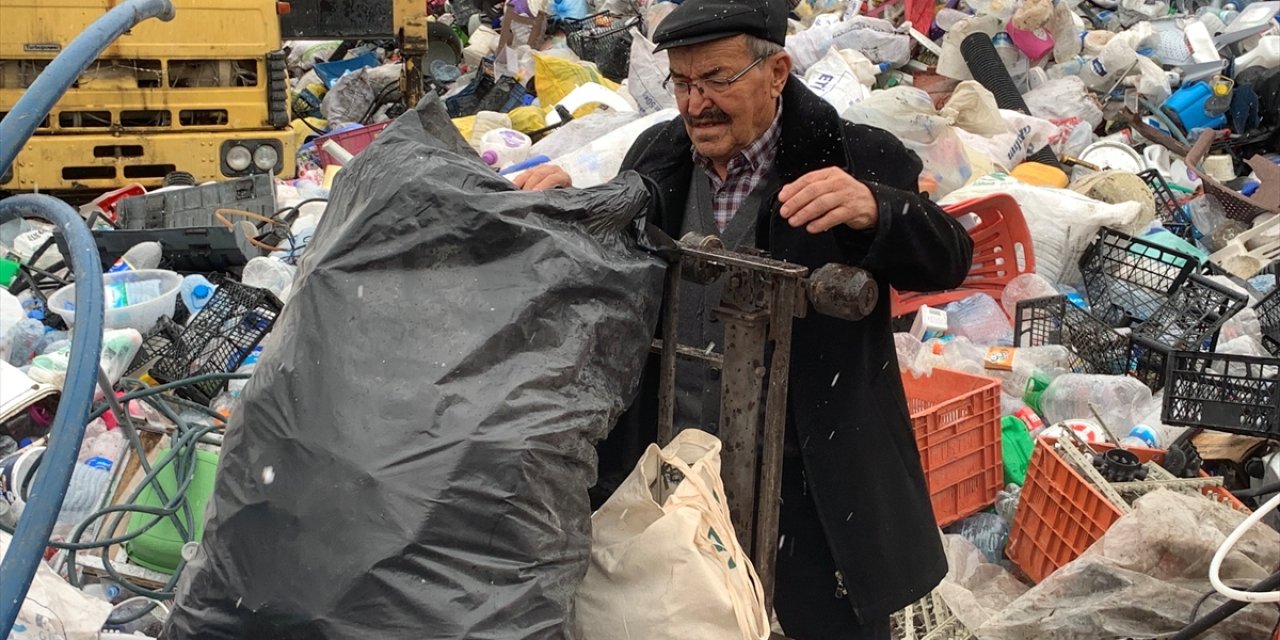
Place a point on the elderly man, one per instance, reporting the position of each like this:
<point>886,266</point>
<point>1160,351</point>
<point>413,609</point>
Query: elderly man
<point>759,160</point>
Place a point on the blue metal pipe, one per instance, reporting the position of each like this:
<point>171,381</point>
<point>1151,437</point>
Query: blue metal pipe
<point>50,485</point>
<point>62,72</point>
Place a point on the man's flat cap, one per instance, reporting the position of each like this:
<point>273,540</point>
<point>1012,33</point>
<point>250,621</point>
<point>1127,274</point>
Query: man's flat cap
<point>698,21</point>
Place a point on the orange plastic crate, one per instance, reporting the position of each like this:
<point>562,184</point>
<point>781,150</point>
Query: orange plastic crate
<point>956,420</point>
<point>1060,514</point>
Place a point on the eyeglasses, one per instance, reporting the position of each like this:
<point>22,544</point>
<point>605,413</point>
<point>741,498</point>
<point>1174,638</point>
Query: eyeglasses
<point>707,86</point>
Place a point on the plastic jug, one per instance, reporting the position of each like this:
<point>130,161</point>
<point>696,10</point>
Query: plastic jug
<point>1188,104</point>
<point>502,147</point>
<point>1265,54</point>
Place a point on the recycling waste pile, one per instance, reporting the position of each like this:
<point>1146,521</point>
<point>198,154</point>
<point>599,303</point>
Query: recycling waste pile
<point>1097,409</point>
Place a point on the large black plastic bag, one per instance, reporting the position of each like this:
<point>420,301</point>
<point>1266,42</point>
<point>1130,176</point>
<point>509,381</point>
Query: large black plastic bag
<point>412,456</point>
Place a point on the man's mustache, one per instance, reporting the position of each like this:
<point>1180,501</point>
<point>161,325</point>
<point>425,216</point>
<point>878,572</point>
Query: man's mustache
<point>714,116</point>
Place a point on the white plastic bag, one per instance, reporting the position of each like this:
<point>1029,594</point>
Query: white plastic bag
<point>665,561</point>
<point>1026,135</point>
<point>908,113</point>
<point>875,39</point>
<point>840,78</point>
<point>645,76</point>
<point>55,610</point>
<point>1064,98</point>
<point>598,161</point>
<point>973,107</point>
<point>1062,222</point>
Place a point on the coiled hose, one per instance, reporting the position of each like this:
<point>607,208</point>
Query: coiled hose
<point>50,486</point>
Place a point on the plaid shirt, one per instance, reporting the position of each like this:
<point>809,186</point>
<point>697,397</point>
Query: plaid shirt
<point>745,171</point>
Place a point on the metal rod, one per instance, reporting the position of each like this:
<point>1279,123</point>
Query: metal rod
<point>769,493</point>
<point>667,357</point>
<point>701,356</point>
<point>740,393</point>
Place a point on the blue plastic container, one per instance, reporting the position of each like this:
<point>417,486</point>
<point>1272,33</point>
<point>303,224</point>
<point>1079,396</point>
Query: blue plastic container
<point>1187,106</point>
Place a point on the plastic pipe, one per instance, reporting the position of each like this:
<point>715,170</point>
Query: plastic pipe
<point>32,533</point>
<point>1224,611</point>
<point>1215,565</point>
<point>39,98</point>
<point>989,70</point>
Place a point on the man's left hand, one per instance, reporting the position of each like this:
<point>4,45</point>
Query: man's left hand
<point>822,199</point>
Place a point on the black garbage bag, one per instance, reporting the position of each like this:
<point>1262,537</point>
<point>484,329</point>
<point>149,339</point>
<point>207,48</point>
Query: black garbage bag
<point>412,456</point>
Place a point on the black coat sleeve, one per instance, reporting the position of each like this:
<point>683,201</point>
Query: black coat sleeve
<point>915,246</point>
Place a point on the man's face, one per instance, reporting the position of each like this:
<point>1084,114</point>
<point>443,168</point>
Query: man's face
<point>722,123</point>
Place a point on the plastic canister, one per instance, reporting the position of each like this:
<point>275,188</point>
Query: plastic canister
<point>1187,105</point>
<point>502,147</point>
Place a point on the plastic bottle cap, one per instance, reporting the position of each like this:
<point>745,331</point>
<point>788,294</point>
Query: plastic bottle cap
<point>202,291</point>
<point>490,158</point>
<point>99,462</point>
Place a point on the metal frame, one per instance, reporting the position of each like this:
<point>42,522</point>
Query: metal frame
<point>761,298</point>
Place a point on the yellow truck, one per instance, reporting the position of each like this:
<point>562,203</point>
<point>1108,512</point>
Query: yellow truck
<point>205,93</point>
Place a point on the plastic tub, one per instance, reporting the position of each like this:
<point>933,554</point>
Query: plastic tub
<point>157,299</point>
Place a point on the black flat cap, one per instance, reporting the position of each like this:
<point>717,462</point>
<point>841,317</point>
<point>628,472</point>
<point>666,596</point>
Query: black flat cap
<point>698,21</point>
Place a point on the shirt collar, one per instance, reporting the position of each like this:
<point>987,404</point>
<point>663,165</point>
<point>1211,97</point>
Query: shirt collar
<point>757,154</point>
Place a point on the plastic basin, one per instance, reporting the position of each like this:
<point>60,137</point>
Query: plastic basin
<point>149,293</point>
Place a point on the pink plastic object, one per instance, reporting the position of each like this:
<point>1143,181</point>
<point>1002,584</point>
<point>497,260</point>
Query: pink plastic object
<point>1036,44</point>
<point>1001,252</point>
<point>353,140</point>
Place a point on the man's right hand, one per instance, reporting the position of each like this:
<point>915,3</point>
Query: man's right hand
<point>543,177</point>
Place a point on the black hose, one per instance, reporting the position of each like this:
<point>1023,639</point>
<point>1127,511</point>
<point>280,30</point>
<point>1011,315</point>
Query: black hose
<point>1257,491</point>
<point>989,70</point>
<point>1226,610</point>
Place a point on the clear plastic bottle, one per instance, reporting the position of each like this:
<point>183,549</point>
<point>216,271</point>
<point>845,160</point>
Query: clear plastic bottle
<point>1118,400</point>
<point>20,342</point>
<point>987,531</point>
<point>270,274</point>
<point>196,292</point>
<point>1027,286</point>
<point>1007,502</point>
<point>144,255</point>
<point>980,319</point>
<point>101,441</point>
<point>89,482</point>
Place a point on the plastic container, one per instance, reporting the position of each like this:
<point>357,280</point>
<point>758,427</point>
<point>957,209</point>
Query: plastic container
<point>1189,320</point>
<point>196,292</point>
<point>1223,392</point>
<point>1028,286</point>
<point>353,141</point>
<point>134,299</point>
<point>980,319</point>
<point>501,148</point>
<point>218,339</point>
<point>144,255</point>
<point>160,547</point>
<point>1118,400</point>
<point>1127,279</point>
<point>85,493</point>
<point>956,420</point>
<point>1060,513</point>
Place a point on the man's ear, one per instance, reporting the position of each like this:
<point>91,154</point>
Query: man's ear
<point>779,69</point>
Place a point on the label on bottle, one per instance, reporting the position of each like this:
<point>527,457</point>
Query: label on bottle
<point>1029,418</point>
<point>99,462</point>
<point>999,358</point>
<point>120,265</point>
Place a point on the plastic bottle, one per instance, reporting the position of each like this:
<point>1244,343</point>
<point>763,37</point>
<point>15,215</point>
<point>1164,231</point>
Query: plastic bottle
<point>1007,502</point>
<point>1118,400</point>
<point>144,255</point>
<point>1266,54</point>
<point>500,148</point>
<point>196,292</point>
<point>20,342</point>
<point>84,494</point>
<point>980,319</point>
<point>1027,286</point>
<point>101,441</point>
<point>987,531</point>
<point>569,9</point>
<point>270,274</point>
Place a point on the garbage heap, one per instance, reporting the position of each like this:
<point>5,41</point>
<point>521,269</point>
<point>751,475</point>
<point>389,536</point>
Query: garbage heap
<point>1085,406</point>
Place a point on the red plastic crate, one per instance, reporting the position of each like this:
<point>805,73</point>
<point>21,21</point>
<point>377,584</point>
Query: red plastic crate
<point>956,420</point>
<point>353,140</point>
<point>1060,514</point>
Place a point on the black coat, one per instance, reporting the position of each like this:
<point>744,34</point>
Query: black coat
<point>846,407</point>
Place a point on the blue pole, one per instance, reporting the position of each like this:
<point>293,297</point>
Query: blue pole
<point>54,81</point>
<point>50,485</point>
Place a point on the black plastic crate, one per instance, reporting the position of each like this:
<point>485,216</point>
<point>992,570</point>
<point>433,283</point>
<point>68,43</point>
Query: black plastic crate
<point>219,338</point>
<point>1190,318</point>
<point>154,345</point>
<point>1126,279</point>
<point>1168,211</point>
<point>195,206</point>
<point>607,45</point>
<point>1236,394</point>
<point>1095,347</point>
<point>1149,361</point>
<point>1268,310</point>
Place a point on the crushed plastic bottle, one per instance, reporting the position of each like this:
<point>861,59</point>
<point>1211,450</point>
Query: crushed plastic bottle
<point>144,255</point>
<point>270,274</point>
<point>988,532</point>
<point>1007,502</point>
<point>1027,286</point>
<point>980,319</point>
<point>1118,400</point>
<point>19,344</point>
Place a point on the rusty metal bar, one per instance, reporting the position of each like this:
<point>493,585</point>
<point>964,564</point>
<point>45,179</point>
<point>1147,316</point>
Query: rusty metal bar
<point>740,391</point>
<point>701,356</point>
<point>667,357</point>
<point>768,496</point>
<point>759,264</point>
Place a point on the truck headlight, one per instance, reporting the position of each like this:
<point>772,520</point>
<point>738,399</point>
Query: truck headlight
<point>265,157</point>
<point>239,158</point>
